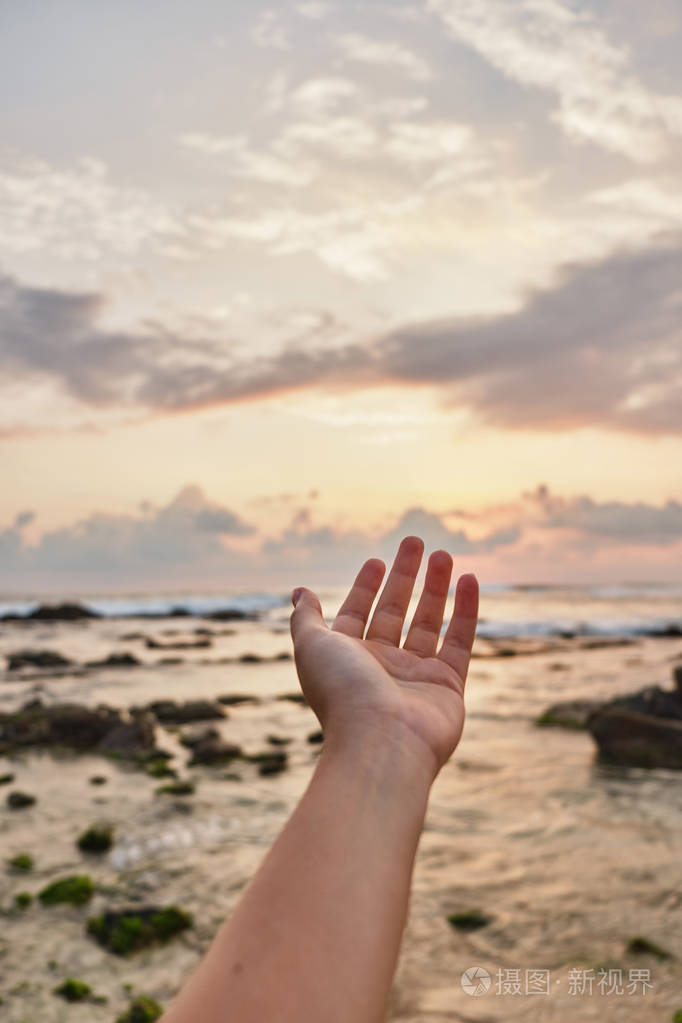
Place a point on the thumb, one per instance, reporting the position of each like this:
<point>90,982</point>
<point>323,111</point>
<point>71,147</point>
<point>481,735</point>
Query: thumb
<point>307,612</point>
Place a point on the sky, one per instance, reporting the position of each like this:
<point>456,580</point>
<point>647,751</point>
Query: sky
<point>283,283</point>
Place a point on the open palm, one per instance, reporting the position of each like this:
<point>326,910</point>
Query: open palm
<point>357,676</point>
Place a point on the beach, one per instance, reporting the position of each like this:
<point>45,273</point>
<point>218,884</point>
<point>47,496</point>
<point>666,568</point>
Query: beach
<point>551,862</point>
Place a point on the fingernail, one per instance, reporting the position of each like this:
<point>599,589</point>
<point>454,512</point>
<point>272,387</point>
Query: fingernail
<point>296,594</point>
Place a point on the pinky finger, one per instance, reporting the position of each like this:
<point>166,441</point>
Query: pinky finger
<point>459,637</point>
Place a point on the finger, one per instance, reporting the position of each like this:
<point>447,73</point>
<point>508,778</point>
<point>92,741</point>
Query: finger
<point>459,637</point>
<point>387,621</point>
<point>354,612</point>
<point>307,613</point>
<point>422,637</point>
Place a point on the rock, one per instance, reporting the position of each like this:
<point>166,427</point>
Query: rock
<point>170,712</point>
<point>96,839</point>
<point>209,748</point>
<point>19,800</point>
<point>294,698</point>
<point>677,679</point>
<point>269,761</point>
<point>79,728</point>
<point>571,714</point>
<point>128,930</point>
<point>631,738</point>
<point>76,889</point>
<point>230,614</point>
<point>98,779</point>
<point>22,862</point>
<point>72,990</point>
<point>278,740</point>
<point>177,788</point>
<point>234,699</point>
<point>68,612</point>
<point>642,946</point>
<point>654,701</point>
<point>469,920</point>
<point>195,644</point>
<point>124,660</point>
<point>250,659</point>
<point>6,779</point>
<point>316,737</point>
<point>142,1009</point>
<point>36,659</point>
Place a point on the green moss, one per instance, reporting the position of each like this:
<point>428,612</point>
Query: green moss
<point>551,720</point>
<point>126,931</point>
<point>76,889</point>
<point>158,768</point>
<point>73,990</point>
<point>177,788</point>
<point>469,920</point>
<point>142,1010</point>
<point>677,1018</point>
<point>96,839</point>
<point>23,900</point>
<point>643,947</point>
<point>22,861</point>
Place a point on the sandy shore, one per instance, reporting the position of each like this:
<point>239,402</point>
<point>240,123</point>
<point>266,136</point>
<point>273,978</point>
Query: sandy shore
<point>568,860</point>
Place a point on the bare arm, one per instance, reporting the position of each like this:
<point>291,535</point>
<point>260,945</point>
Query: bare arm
<point>317,933</point>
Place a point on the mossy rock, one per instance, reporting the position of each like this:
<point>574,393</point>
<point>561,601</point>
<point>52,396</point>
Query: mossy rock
<point>126,931</point>
<point>73,990</point>
<point>142,1010</point>
<point>469,920</point>
<point>158,768</point>
<point>22,900</point>
<point>96,839</point>
<point>19,800</point>
<point>76,890</point>
<point>177,788</point>
<point>22,862</point>
<point>640,946</point>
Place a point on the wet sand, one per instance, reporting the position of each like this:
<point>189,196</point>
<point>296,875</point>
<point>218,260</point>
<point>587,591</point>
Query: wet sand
<point>569,859</point>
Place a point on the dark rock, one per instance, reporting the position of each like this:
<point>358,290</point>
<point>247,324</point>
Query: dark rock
<point>670,631</point>
<point>96,839</point>
<point>6,779</point>
<point>250,659</point>
<point>654,701</point>
<point>469,920</point>
<point>170,661</point>
<point>234,699</point>
<point>294,698</point>
<point>635,739</point>
<point>36,659</point>
<point>643,947</point>
<point>209,748</point>
<point>142,1009</point>
<point>192,644</point>
<point>76,727</point>
<point>128,930</point>
<point>283,656</point>
<point>98,779</point>
<point>278,740</point>
<point>177,788</point>
<point>231,614</point>
<point>68,612</point>
<point>73,990</point>
<point>316,737</point>
<point>19,800</point>
<point>677,679</point>
<point>130,636</point>
<point>124,660</point>
<point>269,761</point>
<point>572,714</point>
<point>170,712</point>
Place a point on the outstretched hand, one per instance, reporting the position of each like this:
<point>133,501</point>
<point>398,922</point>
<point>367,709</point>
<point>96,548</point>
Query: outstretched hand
<point>359,680</point>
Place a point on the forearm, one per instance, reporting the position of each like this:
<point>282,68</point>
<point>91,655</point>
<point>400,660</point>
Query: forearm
<point>317,933</point>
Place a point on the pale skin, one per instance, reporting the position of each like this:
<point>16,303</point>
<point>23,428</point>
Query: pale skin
<point>316,935</point>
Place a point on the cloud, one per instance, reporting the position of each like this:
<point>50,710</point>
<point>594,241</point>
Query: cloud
<point>269,33</point>
<point>613,521</point>
<point>364,50</point>
<point>245,162</point>
<point>193,542</point>
<point>601,347</point>
<point>314,9</point>
<point>563,51</point>
<point>80,213</point>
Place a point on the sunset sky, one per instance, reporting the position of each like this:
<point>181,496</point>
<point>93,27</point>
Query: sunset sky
<point>282,283</point>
